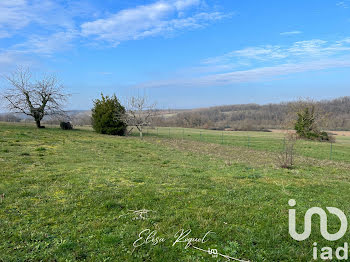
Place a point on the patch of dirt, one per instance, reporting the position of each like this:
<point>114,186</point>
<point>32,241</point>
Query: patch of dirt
<point>281,131</point>
<point>340,133</point>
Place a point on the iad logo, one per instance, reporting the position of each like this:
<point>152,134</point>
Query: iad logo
<point>326,252</point>
<point>323,222</point>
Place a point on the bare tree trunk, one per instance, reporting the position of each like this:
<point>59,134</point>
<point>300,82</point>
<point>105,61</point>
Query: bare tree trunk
<point>37,122</point>
<point>140,131</point>
<point>38,125</point>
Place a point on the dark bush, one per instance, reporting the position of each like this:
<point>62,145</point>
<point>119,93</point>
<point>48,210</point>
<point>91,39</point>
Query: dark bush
<point>66,126</point>
<point>106,116</point>
<point>324,136</point>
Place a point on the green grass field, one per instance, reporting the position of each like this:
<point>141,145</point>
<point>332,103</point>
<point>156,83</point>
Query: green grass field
<point>69,195</point>
<point>267,141</point>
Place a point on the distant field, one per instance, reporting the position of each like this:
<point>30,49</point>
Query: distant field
<point>267,141</point>
<point>69,195</point>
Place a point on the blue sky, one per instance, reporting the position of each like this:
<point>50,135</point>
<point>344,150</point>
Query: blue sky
<point>182,53</point>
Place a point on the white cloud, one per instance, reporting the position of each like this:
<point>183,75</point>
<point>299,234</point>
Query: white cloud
<point>4,34</point>
<point>310,47</point>
<point>161,17</point>
<point>243,56</point>
<point>15,15</point>
<point>47,45</point>
<point>6,58</point>
<point>260,53</point>
<point>291,33</point>
<point>183,4</point>
<point>298,50</point>
<point>263,73</point>
<point>251,75</point>
<point>343,4</point>
<point>9,59</point>
<point>263,63</point>
<point>54,22</point>
<point>57,25</point>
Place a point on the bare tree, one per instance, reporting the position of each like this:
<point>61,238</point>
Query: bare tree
<point>35,98</point>
<point>308,119</point>
<point>139,113</point>
<point>286,157</point>
<point>320,117</point>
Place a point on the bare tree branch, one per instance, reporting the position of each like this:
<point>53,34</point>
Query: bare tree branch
<point>35,98</point>
<point>139,113</point>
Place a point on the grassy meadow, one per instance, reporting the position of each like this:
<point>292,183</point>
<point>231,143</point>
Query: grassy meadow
<point>71,195</point>
<point>265,141</point>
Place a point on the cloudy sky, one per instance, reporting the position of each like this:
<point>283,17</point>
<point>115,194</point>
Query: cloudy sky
<point>182,53</point>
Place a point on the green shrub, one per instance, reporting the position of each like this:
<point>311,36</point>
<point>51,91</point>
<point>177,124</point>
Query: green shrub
<point>307,128</point>
<point>106,116</point>
<point>304,125</point>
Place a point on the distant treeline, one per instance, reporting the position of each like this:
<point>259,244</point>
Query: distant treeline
<point>230,117</point>
<point>77,118</point>
<point>9,118</point>
<point>256,117</point>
